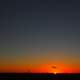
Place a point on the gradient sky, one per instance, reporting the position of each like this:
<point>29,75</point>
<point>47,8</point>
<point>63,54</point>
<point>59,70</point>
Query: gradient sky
<point>36,34</point>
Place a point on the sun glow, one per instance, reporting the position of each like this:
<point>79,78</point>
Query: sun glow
<point>55,73</point>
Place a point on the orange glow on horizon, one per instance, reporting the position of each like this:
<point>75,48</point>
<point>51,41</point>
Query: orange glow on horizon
<point>44,68</point>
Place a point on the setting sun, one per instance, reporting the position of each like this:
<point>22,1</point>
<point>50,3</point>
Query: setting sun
<point>55,73</point>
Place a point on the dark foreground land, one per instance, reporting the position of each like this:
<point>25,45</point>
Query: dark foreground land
<point>38,76</point>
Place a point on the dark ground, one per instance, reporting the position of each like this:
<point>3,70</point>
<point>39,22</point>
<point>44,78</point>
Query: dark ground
<point>38,76</point>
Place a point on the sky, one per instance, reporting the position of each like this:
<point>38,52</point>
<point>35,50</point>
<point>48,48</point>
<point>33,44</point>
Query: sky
<point>37,34</point>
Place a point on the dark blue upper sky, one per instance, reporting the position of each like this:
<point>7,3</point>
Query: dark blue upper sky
<point>35,27</point>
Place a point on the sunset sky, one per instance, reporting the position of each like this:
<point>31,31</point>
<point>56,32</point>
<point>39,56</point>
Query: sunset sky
<point>38,34</point>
